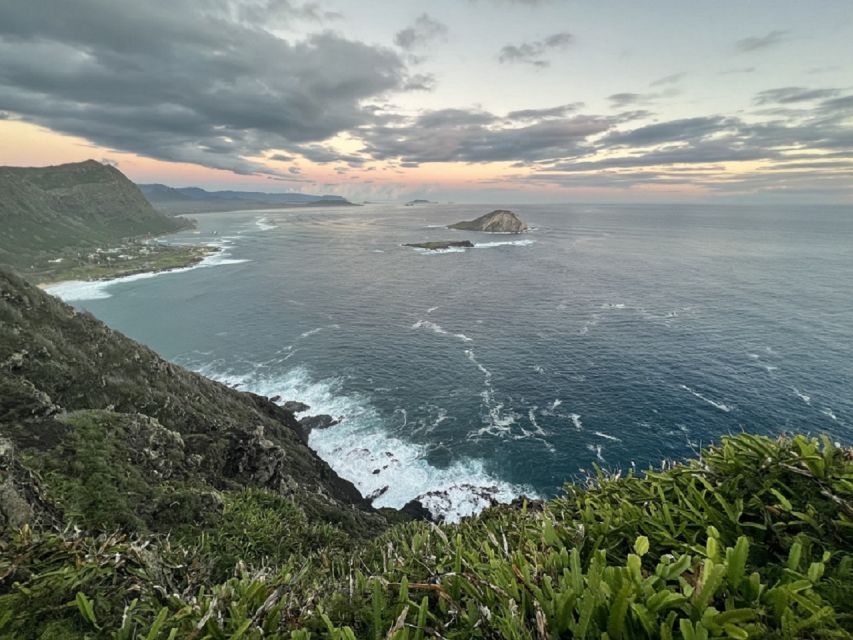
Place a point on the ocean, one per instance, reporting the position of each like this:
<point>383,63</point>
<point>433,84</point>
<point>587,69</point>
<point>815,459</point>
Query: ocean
<point>617,336</point>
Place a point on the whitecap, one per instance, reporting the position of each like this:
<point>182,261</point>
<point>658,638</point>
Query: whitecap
<point>504,243</point>
<point>576,421</point>
<point>802,396</point>
<point>436,328</point>
<point>829,413</point>
<point>264,225</point>
<point>431,309</point>
<point>719,405</point>
<point>607,436</point>
<point>596,449</point>
<point>361,445</point>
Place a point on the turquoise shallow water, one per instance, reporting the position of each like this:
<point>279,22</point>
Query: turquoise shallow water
<point>617,335</point>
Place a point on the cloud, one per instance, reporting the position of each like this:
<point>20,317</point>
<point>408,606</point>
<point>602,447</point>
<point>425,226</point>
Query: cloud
<point>460,135</point>
<point>533,52</point>
<point>549,112</point>
<point>754,43</point>
<point>788,95</point>
<point>420,82</point>
<point>184,81</point>
<point>673,78</point>
<point>280,13</point>
<point>727,72</point>
<point>425,30</point>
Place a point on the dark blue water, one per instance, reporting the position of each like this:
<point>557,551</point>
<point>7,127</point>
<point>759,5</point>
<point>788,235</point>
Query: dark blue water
<point>615,335</point>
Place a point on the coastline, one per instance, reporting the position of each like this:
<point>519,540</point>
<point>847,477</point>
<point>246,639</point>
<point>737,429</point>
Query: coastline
<point>196,254</point>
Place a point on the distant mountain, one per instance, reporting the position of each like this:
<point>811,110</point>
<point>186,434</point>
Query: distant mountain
<point>195,200</point>
<point>45,210</point>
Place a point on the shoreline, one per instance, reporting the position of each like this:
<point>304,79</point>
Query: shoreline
<point>203,252</point>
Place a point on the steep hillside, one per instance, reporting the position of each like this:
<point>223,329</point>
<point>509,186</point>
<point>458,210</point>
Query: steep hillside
<point>46,210</point>
<point>77,398</point>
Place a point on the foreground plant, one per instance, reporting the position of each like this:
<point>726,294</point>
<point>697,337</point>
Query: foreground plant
<point>752,540</point>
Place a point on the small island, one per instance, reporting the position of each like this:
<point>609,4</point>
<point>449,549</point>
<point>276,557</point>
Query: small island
<point>441,244</point>
<point>417,201</point>
<point>498,221</point>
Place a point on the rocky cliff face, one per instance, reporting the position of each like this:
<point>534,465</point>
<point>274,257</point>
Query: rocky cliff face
<point>84,204</point>
<point>85,405</point>
<point>498,221</point>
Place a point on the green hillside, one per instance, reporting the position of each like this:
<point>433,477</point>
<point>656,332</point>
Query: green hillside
<point>139,500</point>
<point>46,211</point>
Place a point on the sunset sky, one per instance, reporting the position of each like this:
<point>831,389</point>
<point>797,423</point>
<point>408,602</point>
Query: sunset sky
<point>464,100</point>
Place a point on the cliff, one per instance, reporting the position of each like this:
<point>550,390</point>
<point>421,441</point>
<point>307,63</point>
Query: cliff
<point>45,210</point>
<point>497,221</point>
<point>80,401</point>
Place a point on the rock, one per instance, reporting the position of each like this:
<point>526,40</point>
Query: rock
<point>498,221</point>
<point>441,244</point>
<point>417,510</point>
<point>376,494</point>
<point>322,421</point>
<point>295,406</point>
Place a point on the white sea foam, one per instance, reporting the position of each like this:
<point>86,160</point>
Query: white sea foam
<point>596,449</point>
<point>609,305</point>
<point>436,252</point>
<point>311,332</point>
<point>73,290</point>
<point>264,225</point>
<point>437,328</point>
<point>719,405</point>
<point>478,245</point>
<point>802,396</point>
<point>607,436</point>
<point>361,444</point>
<point>829,413</point>
<point>576,421</point>
<point>504,243</point>
<point>431,309</point>
<point>557,402</point>
<point>538,368</point>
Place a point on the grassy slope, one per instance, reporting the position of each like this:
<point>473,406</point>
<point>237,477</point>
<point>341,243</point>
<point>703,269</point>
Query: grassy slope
<point>753,540</point>
<point>85,204</point>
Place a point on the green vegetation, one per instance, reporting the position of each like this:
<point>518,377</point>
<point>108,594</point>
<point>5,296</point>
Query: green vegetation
<point>752,540</point>
<point>142,501</point>
<point>128,259</point>
<point>46,211</point>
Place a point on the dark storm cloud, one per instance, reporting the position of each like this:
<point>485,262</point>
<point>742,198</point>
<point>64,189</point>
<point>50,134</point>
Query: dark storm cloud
<point>787,95</point>
<point>422,32</point>
<point>754,43</point>
<point>184,81</point>
<point>534,53</point>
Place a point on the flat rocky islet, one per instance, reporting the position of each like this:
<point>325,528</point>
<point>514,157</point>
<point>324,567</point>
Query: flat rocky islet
<point>497,221</point>
<point>440,244</point>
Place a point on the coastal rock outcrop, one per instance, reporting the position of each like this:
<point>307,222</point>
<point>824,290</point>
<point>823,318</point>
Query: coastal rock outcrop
<point>441,245</point>
<point>322,421</point>
<point>498,221</point>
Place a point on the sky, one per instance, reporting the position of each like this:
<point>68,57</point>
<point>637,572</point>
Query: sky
<point>451,100</point>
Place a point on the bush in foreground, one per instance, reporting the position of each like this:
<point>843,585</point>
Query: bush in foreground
<point>752,540</point>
